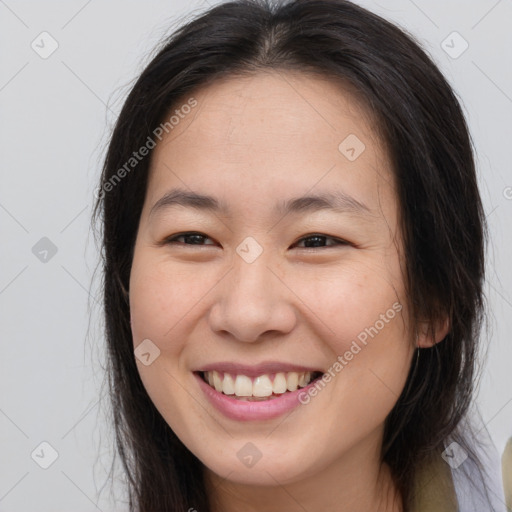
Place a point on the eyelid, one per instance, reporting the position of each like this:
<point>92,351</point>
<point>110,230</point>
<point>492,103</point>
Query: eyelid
<point>339,241</point>
<point>172,239</point>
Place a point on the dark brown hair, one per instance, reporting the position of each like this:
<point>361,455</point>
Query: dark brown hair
<point>443,226</point>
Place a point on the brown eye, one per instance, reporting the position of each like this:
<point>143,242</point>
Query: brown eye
<point>189,238</point>
<point>317,241</point>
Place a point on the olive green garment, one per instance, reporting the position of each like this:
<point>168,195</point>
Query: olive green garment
<point>434,488</point>
<point>506,467</point>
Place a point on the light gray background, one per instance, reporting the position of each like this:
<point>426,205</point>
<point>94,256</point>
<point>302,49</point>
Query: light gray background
<point>54,121</point>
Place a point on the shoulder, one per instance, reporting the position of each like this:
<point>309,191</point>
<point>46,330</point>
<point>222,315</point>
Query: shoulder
<point>452,481</point>
<point>434,489</point>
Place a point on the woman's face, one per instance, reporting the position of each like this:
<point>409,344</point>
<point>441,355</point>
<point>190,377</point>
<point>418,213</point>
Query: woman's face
<point>271,286</point>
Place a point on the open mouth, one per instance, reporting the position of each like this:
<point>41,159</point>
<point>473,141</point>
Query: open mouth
<point>263,387</point>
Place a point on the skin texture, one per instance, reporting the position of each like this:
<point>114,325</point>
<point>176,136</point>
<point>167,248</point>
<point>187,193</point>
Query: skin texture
<point>252,142</point>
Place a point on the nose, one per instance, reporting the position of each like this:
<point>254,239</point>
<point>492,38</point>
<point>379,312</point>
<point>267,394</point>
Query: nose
<point>252,303</point>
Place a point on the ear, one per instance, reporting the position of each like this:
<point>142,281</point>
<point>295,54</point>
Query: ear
<point>425,338</point>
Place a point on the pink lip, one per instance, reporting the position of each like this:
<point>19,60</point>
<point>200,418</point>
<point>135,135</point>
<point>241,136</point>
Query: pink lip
<point>254,370</point>
<point>250,411</point>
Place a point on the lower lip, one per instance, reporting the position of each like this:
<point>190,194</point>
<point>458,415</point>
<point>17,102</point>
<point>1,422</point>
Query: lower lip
<point>242,410</point>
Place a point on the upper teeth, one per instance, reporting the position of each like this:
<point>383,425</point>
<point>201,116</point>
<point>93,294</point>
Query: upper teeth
<point>263,385</point>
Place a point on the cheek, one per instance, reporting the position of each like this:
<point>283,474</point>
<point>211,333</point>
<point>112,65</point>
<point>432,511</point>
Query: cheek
<point>160,298</point>
<point>351,301</point>
<point>158,301</point>
<point>361,311</point>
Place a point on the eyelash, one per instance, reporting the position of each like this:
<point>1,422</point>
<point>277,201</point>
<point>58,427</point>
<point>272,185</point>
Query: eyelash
<point>172,239</point>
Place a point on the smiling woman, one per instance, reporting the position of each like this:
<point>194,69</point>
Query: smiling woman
<point>293,276</point>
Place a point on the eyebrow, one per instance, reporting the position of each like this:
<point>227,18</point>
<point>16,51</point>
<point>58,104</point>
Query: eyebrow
<point>337,201</point>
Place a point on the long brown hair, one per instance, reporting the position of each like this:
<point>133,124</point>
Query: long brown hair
<point>421,123</point>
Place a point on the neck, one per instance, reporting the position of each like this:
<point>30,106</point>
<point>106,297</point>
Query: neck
<point>343,486</point>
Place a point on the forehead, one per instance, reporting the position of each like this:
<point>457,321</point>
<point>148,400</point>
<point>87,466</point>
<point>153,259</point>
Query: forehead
<point>269,132</point>
<point>287,103</point>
